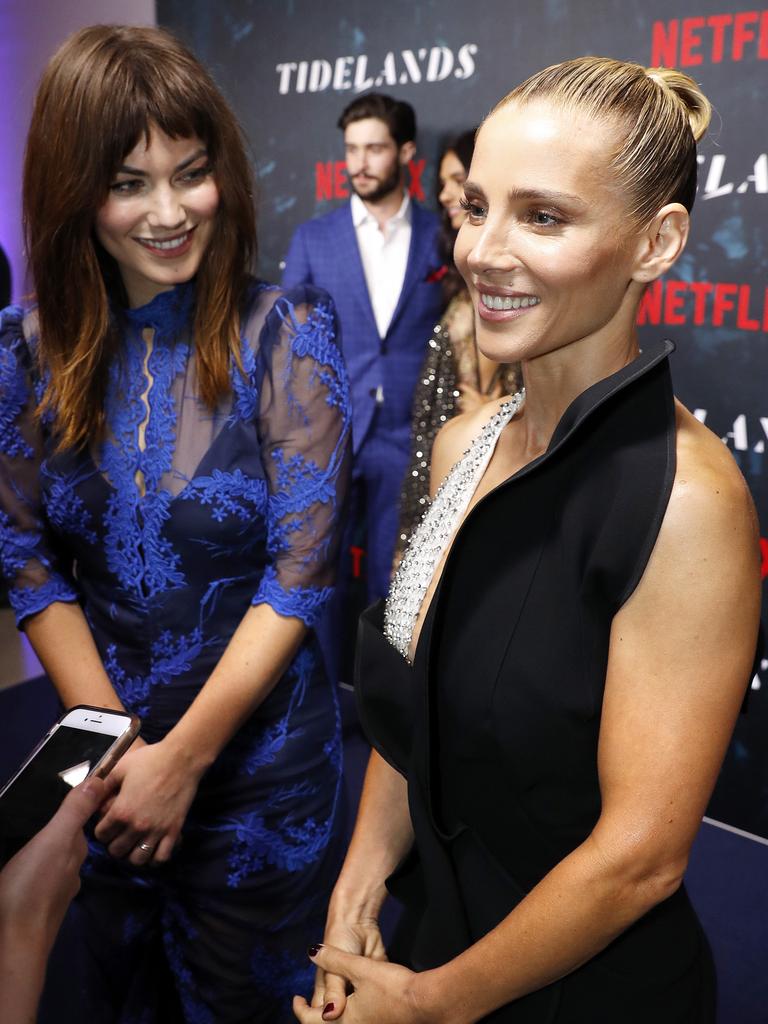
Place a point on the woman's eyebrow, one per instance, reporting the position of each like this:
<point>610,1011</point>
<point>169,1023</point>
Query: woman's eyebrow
<point>545,196</point>
<point>470,186</point>
<point>127,169</point>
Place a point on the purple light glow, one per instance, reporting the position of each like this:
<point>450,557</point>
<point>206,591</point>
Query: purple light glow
<point>29,34</point>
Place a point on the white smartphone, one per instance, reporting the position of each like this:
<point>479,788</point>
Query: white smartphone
<point>85,741</point>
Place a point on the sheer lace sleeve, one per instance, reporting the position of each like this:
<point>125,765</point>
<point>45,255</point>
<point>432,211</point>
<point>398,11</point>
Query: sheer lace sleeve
<point>304,424</point>
<point>27,560</point>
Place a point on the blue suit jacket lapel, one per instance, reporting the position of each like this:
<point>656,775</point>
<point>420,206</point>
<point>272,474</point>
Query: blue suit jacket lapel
<point>354,266</point>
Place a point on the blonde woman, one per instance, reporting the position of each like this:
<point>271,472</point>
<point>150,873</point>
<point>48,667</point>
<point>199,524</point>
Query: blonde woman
<point>554,681</point>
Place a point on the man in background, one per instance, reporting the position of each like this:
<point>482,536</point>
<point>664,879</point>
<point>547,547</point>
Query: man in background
<point>377,256</point>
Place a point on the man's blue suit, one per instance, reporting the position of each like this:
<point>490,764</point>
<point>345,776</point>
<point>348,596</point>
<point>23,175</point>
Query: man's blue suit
<point>324,252</point>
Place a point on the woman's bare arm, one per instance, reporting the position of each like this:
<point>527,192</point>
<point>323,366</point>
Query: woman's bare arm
<point>64,644</point>
<point>680,656</point>
<point>383,836</point>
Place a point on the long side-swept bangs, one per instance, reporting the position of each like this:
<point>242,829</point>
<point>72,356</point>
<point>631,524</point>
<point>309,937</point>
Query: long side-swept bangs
<point>103,90</point>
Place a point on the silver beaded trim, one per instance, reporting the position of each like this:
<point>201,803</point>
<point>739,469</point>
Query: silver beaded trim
<point>438,524</point>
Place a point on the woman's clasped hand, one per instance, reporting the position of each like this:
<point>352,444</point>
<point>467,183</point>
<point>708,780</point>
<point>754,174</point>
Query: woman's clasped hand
<point>149,794</point>
<point>382,993</point>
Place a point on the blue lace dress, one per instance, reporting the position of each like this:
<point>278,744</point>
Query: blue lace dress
<point>166,534</point>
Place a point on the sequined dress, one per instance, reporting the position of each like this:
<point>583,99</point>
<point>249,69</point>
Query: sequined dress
<point>240,506</point>
<point>451,362</point>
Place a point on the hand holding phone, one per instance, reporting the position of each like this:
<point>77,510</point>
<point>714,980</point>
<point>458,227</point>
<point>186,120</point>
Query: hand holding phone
<point>36,887</point>
<point>85,741</point>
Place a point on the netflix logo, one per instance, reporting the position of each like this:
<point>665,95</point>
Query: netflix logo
<point>721,304</point>
<point>687,42</point>
<point>331,180</point>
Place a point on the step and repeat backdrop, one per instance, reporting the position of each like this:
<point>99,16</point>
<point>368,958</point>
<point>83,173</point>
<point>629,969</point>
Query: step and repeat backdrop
<point>290,66</point>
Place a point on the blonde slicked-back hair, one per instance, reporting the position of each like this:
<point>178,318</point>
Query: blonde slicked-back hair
<point>658,115</point>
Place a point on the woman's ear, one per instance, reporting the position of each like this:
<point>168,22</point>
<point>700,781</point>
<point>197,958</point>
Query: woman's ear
<point>407,153</point>
<point>661,242</point>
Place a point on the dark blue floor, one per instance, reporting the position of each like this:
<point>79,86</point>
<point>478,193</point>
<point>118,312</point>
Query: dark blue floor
<point>727,876</point>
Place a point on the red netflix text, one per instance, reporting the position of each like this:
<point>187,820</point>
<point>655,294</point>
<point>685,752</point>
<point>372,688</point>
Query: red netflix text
<point>331,180</point>
<point>686,42</point>
<point>720,304</point>
<point>764,553</point>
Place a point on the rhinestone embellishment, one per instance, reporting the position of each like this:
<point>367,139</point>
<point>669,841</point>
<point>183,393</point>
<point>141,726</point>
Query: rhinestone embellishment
<point>430,538</point>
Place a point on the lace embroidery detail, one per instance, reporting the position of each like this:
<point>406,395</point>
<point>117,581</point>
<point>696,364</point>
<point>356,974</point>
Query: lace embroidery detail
<point>64,507</point>
<point>303,603</point>
<point>171,656</point>
<point>246,404</point>
<point>137,553</point>
<point>18,547</point>
<point>272,740</point>
<point>299,485</point>
<point>316,337</point>
<point>167,313</point>
<point>287,846</point>
<point>14,387</point>
<point>178,931</point>
<point>27,601</point>
<point>228,494</point>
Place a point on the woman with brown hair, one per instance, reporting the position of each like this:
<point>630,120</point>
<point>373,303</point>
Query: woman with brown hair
<point>173,458</point>
<point>565,647</point>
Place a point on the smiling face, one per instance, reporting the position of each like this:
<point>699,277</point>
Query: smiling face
<point>547,249</point>
<point>452,175</point>
<point>374,161</point>
<point>160,213</point>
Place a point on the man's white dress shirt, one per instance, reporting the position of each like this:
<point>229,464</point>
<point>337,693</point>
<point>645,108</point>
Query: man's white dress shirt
<point>384,255</point>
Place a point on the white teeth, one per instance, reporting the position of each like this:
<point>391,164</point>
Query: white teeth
<point>173,243</point>
<point>507,302</point>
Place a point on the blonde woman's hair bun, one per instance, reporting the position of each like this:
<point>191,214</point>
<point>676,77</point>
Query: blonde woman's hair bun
<point>695,104</point>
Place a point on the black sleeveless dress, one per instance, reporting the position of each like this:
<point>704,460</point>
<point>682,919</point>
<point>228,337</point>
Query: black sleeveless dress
<point>496,725</point>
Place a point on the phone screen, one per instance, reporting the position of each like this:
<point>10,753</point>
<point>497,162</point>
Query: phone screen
<point>64,761</point>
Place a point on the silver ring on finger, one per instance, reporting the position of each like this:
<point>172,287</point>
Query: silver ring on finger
<point>146,847</point>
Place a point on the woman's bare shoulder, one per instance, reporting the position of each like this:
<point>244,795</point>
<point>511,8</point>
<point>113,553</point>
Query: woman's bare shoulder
<point>455,437</point>
<point>710,503</point>
<point>705,464</point>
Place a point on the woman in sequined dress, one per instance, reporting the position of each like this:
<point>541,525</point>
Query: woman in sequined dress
<point>456,377</point>
<point>174,451</point>
<point>554,680</point>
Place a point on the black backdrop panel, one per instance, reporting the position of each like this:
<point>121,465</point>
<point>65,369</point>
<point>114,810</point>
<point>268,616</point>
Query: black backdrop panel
<point>289,67</point>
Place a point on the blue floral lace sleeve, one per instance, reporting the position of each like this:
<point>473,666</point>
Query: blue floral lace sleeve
<point>27,561</point>
<point>304,419</point>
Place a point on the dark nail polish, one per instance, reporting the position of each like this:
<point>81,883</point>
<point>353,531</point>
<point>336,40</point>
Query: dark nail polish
<point>328,1008</point>
<point>314,949</point>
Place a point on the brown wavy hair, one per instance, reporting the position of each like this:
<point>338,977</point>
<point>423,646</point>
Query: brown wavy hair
<point>104,89</point>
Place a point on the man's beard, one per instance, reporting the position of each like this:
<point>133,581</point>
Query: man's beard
<point>385,187</point>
